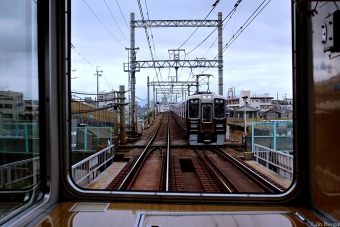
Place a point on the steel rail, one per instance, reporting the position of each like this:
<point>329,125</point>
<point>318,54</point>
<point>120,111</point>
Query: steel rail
<point>161,176</point>
<point>250,173</point>
<point>167,158</point>
<point>221,174</point>
<point>138,168</point>
<point>140,157</point>
<point>215,174</point>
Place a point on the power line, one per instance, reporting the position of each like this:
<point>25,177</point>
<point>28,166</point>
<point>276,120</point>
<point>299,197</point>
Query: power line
<point>214,5</point>
<point>85,93</point>
<point>122,14</point>
<point>147,36</point>
<point>243,27</point>
<point>74,48</point>
<point>153,43</point>
<point>142,99</point>
<point>103,24</point>
<point>115,21</point>
<point>232,11</point>
<point>217,37</point>
<point>108,106</point>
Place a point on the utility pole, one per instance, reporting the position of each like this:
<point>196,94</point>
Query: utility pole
<point>98,75</point>
<point>132,68</point>
<point>220,54</point>
<point>122,113</point>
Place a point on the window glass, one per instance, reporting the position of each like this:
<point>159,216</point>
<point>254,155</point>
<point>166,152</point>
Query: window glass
<point>206,112</point>
<point>219,108</point>
<point>19,125</point>
<point>109,53</point>
<point>193,108</point>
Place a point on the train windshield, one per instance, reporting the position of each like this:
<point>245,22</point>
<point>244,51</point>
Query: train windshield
<point>219,108</point>
<point>206,112</point>
<point>193,108</point>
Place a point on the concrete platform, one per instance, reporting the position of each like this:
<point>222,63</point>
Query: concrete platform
<point>105,178</point>
<point>271,174</point>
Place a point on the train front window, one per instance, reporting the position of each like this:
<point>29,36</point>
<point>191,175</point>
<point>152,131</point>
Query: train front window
<point>19,106</point>
<point>206,113</point>
<point>193,108</point>
<point>219,108</point>
<point>119,91</point>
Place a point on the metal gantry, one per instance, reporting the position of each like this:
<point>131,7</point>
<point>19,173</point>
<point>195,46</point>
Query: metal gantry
<point>199,63</point>
<point>135,65</point>
<point>168,87</point>
<point>176,23</point>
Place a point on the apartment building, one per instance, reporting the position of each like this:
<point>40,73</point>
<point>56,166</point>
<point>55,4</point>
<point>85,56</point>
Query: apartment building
<point>11,104</point>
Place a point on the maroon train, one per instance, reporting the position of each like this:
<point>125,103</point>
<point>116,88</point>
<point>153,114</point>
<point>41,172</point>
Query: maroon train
<point>202,118</point>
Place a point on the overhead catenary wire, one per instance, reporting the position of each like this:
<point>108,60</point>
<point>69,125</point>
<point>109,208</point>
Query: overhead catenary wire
<point>246,24</point>
<point>230,16</point>
<point>214,6</point>
<point>243,27</point>
<point>148,38</point>
<point>232,11</point>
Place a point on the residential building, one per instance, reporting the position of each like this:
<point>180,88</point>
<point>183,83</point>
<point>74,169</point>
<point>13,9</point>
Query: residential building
<point>265,105</point>
<point>31,110</point>
<point>259,102</point>
<point>11,104</point>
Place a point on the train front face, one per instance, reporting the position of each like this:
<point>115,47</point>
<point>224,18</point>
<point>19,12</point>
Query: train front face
<point>206,119</point>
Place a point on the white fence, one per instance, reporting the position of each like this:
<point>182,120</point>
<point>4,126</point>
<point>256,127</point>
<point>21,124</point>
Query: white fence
<point>277,160</point>
<point>20,174</point>
<point>86,170</point>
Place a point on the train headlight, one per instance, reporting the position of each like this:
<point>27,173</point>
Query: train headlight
<point>193,125</point>
<point>219,125</point>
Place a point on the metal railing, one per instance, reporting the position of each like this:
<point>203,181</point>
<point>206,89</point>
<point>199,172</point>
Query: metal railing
<point>278,161</point>
<point>86,170</point>
<point>87,138</point>
<point>20,174</point>
<point>19,137</point>
<point>276,134</point>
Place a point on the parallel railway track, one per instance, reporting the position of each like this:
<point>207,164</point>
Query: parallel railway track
<point>163,167</point>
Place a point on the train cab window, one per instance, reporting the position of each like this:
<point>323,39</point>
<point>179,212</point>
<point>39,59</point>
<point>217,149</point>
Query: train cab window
<point>219,108</point>
<point>206,112</point>
<point>193,108</point>
<point>111,116</point>
<point>20,161</point>
<point>237,52</point>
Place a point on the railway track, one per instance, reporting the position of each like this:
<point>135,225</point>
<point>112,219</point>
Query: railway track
<point>162,166</point>
<point>233,175</point>
<point>151,164</point>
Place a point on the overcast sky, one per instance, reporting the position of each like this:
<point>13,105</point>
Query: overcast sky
<point>258,60</point>
<point>18,47</point>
